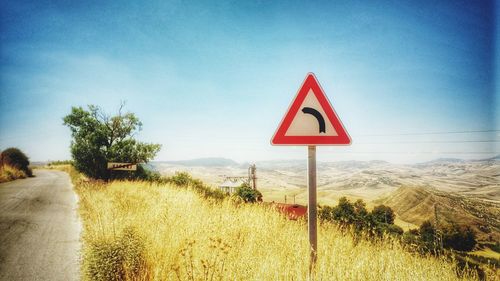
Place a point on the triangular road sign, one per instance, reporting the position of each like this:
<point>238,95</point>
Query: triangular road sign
<point>311,119</point>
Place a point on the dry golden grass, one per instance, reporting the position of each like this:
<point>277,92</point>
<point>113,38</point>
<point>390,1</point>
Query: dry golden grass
<point>139,231</point>
<point>9,173</point>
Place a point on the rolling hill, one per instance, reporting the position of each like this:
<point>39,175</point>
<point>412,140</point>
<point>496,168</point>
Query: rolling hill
<point>466,192</point>
<point>417,204</point>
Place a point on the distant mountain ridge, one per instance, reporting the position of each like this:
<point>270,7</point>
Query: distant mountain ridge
<point>207,162</point>
<point>226,162</point>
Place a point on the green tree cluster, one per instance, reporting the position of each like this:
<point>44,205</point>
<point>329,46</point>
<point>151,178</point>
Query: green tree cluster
<point>377,222</point>
<point>99,138</point>
<point>426,239</point>
<point>15,158</point>
<point>430,239</point>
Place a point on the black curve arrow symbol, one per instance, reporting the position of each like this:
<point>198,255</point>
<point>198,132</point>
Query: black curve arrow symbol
<point>315,113</point>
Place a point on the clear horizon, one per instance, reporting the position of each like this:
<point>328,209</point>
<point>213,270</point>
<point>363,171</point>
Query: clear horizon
<point>412,82</point>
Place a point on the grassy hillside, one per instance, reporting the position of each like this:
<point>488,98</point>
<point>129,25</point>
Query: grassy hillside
<point>416,204</point>
<point>140,231</point>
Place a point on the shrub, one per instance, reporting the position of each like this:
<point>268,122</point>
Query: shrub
<point>428,237</point>
<point>411,238</point>
<point>8,173</point>
<point>325,213</point>
<point>181,179</point>
<point>248,194</point>
<point>15,158</point>
<point>459,238</point>
<point>383,214</point>
<point>120,259</point>
<point>206,191</point>
<point>61,162</point>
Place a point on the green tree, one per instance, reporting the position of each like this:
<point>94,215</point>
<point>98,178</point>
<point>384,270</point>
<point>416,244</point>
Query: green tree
<point>14,157</point>
<point>459,238</point>
<point>99,138</point>
<point>344,212</point>
<point>428,235</point>
<point>248,194</point>
<point>383,214</point>
<point>362,219</point>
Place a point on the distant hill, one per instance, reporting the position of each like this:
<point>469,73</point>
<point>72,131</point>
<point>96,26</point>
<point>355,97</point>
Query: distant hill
<point>442,161</point>
<point>495,158</point>
<point>417,204</point>
<point>204,162</point>
<point>464,191</point>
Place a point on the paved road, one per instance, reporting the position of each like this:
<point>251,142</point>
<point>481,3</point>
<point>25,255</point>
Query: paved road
<point>39,228</point>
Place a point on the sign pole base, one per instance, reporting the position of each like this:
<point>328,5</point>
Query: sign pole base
<point>311,209</point>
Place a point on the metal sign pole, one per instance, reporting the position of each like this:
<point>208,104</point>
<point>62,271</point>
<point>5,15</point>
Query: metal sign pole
<point>312,212</point>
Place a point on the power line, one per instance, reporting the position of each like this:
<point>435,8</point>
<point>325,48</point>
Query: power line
<point>418,152</point>
<point>430,133</point>
<point>409,142</point>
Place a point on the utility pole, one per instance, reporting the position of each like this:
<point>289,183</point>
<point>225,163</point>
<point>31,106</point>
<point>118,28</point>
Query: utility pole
<point>311,210</point>
<point>253,175</point>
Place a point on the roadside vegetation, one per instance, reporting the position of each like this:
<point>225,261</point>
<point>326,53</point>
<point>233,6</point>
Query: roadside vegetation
<point>451,241</point>
<point>60,162</point>
<point>428,238</point>
<point>99,138</point>
<point>175,229</point>
<point>14,164</point>
<point>138,225</point>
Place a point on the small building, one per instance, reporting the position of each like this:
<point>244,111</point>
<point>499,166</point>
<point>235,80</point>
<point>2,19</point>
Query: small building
<point>231,183</point>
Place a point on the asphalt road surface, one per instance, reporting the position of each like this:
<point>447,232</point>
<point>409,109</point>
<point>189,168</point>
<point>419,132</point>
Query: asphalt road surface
<point>39,228</point>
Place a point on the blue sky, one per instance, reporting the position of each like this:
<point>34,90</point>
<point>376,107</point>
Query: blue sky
<point>214,79</point>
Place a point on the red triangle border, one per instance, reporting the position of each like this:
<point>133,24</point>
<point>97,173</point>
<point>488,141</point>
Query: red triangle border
<point>280,138</point>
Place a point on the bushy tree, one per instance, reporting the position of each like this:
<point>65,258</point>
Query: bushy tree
<point>362,219</point>
<point>428,236</point>
<point>347,214</point>
<point>248,194</point>
<point>14,157</point>
<point>459,238</point>
<point>344,212</point>
<point>383,214</point>
<point>99,138</point>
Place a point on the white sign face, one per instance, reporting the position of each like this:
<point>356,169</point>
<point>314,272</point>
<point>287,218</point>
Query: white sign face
<point>305,123</point>
<point>122,166</point>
